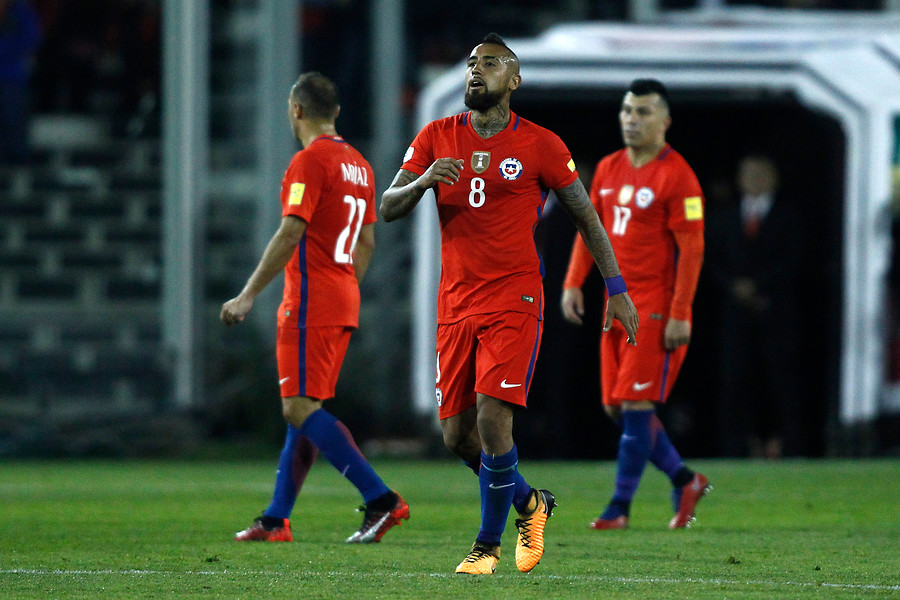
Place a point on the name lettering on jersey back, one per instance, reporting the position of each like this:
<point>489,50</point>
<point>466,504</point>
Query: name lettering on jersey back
<point>354,174</point>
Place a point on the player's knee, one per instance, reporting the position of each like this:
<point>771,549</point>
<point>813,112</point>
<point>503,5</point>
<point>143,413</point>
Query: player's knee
<point>454,441</point>
<point>614,412</point>
<point>290,416</point>
<point>297,409</point>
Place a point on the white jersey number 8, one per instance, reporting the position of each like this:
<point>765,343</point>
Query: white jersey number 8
<point>476,192</point>
<point>342,254</point>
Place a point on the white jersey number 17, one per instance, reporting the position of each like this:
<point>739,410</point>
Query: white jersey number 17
<point>621,216</point>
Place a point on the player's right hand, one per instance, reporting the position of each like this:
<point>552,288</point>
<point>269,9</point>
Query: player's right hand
<point>234,311</point>
<point>572,305</point>
<point>443,170</point>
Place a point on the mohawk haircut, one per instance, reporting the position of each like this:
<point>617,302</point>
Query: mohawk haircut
<point>642,87</point>
<point>317,94</point>
<point>495,38</point>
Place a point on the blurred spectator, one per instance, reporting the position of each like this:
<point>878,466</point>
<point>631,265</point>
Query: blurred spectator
<point>100,56</point>
<point>69,59</point>
<point>755,259</point>
<point>19,37</point>
<point>335,42</point>
<point>135,38</point>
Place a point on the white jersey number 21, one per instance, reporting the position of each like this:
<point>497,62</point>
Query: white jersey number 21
<point>342,254</point>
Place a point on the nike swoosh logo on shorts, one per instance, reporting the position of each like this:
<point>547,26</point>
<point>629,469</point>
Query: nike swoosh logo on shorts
<point>281,381</point>
<point>639,387</point>
<point>505,385</point>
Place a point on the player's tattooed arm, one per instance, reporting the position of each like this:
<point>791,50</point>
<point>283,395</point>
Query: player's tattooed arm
<point>408,188</point>
<point>619,306</point>
<point>574,199</point>
<point>401,198</point>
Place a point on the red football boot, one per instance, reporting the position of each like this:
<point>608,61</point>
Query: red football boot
<point>690,495</point>
<point>620,522</point>
<point>260,533</point>
<point>375,524</point>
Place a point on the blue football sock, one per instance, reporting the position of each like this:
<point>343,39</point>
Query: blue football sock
<point>663,454</point>
<point>297,457</point>
<point>522,493</point>
<point>497,478</point>
<point>634,450</point>
<point>523,490</point>
<point>336,443</point>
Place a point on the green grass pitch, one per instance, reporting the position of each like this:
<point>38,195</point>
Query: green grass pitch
<point>137,529</point>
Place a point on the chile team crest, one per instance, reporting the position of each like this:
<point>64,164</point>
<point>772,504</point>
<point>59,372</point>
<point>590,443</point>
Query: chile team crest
<point>510,168</point>
<point>644,197</point>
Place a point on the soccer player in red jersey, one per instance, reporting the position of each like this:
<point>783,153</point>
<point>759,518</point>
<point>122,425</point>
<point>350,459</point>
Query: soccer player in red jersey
<point>491,171</point>
<point>651,205</point>
<point>323,245</point>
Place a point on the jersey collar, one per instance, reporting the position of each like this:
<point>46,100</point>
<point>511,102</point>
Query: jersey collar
<point>333,138</point>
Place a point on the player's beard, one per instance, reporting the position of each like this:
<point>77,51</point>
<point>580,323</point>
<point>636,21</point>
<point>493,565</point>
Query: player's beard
<point>482,101</point>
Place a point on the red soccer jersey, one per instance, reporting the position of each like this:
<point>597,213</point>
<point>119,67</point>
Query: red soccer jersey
<point>489,262</point>
<point>640,209</point>
<point>331,187</point>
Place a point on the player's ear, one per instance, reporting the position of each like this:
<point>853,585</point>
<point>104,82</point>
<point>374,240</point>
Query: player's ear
<point>337,111</point>
<point>514,82</point>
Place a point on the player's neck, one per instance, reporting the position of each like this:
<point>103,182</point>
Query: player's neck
<point>641,156</point>
<point>310,131</point>
<point>490,122</point>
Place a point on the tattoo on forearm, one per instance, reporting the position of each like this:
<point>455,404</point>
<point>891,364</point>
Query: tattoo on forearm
<point>399,200</point>
<point>575,201</point>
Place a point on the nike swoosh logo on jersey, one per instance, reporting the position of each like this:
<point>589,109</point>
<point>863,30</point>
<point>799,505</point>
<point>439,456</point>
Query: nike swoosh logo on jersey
<point>605,191</point>
<point>505,385</point>
<point>639,387</point>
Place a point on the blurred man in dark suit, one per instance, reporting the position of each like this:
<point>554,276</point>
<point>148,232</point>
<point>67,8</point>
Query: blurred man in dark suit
<point>755,258</point>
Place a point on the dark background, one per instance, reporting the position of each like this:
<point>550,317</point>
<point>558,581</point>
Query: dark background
<point>564,416</point>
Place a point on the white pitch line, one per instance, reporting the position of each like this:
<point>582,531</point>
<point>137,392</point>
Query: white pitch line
<point>606,578</point>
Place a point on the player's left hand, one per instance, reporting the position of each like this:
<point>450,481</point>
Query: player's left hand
<point>234,311</point>
<point>677,333</point>
<point>622,308</point>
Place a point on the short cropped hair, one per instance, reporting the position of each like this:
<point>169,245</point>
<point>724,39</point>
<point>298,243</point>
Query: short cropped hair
<point>317,94</point>
<point>495,38</point>
<point>642,87</point>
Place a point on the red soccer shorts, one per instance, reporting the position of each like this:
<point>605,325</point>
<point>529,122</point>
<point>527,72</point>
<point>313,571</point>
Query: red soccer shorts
<point>309,360</point>
<point>643,372</point>
<point>491,354</point>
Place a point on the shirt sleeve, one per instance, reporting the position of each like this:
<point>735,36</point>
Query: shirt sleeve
<point>301,187</point>
<point>371,215</point>
<point>420,154</point>
<point>690,259</point>
<point>686,206</point>
<point>558,168</point>
<point>580,264</point>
